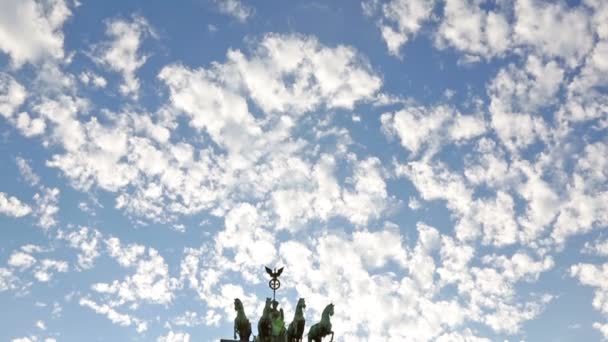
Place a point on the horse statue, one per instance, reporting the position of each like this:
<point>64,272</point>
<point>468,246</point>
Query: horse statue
<point>323,328</point>
<point>241,323</point>
<point>265,324</point>
<point>296,327</point>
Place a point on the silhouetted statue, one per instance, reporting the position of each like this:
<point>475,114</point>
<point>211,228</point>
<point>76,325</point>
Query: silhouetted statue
<point>278,323</point>
<point>323,328</point>
<point>265,324</point>
<point>274,274</point>
<point>296,327</point>
<point>242,327</point>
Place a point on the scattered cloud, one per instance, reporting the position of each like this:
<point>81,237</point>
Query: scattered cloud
<point>31,31</point>
<point>121,53</point>
<point>12,206</point>
<point>235,8</point>
<point>432,218</point>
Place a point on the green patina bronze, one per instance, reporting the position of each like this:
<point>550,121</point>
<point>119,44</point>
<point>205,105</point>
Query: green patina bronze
<point>278,320</point>
<point>265,324</point>
<point>242,326</point>
<point>296,327</point>
<point>323,328</point>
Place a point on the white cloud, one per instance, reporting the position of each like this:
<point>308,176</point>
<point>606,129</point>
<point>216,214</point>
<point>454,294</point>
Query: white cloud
<point>235,8</point>
<point>174,337</point>
<point>520,27</point>
<point>46,268</point>
<point>28,126</point>
<point>121,53</point>
<point>126,256</point>
<point>151,282</point>
<point>12,206</point>
<point>477,32</point>
<point>21,260</point>
<point>587,198</point>
<point>62,114</point>
<point>414,203</point>
<point>40,325</point>
<point>421,128</point>
<point>553,30</point>
<point>586,100</point>
<point>192,318</point>
<point>286,76</point>
<point>517,95</point>
<point>91,78</point>
<point>412,293</point>
<point>113,315</point>
<point>12,95</point>
<point>87,241</point>
<point>30,31</point>
<point>25,339</point>
<point>47,207</point>
<point>7,279</point>
<point>402,19</point>
<point>244,234</point>
<point>597,247</point>
<point>595,276</point>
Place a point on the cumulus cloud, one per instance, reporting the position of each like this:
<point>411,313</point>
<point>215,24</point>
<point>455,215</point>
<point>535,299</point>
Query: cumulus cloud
<point>93,79</point>
<point>235,8</point>
<point>113,315</point>
<point>121,53</point>
<point>597,247</point>
<point>400,20</point>
<point>516,96</point>
<point>31,31</point>
<point>553,30</point>
<point>256,143</point>
<point>41,268</point>
<point>174,337</point>
<point>12,206</point>
<point>585,205</point>
<point>478,32</point>
<point>286,76</point>
<point>421,128</point>
<point>87,241</point>
<point>27,172</point>
<point>595,276</point>
<point>21,260</point>
<point>12,95</point>
<point>149,284</point>
<point>47,207</point>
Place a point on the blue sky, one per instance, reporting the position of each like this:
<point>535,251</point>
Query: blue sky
<point>437,169</point>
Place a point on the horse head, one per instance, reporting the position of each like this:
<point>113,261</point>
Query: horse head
<point>238,305</point>
<point>301,304</point>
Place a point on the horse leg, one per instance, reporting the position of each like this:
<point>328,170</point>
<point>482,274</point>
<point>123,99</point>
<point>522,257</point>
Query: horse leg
<point>332,336</point>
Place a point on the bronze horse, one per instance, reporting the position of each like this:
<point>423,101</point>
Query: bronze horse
<point>296,327</point>
<point>323,328</point>
<point>242,326</point>
<point>265,324</point>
